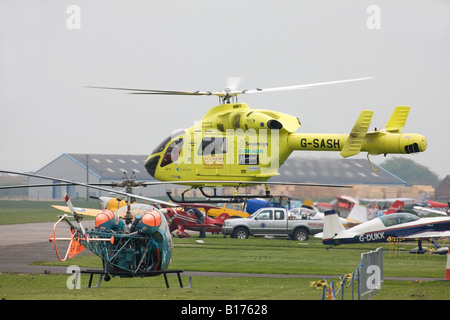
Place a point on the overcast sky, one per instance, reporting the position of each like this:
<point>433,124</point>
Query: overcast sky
<point>51,50</point>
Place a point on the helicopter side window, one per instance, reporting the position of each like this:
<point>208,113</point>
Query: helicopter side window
<point>213,146</point>
<point>172,152</point>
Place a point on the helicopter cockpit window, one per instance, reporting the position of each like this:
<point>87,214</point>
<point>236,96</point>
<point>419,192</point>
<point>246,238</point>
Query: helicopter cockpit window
<point>213,146</point>
<point>173,152</point>
<point>162,145</point>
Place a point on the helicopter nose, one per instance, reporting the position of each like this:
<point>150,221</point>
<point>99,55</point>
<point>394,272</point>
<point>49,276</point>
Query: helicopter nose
<point>414,143</point>
<point>150,165</point>
<point>422,143</point>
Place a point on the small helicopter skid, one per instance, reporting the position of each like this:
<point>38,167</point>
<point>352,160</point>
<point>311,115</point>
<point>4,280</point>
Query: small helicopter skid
<point>107,277</point>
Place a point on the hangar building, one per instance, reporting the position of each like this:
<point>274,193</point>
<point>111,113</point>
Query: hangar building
<point>104,168</point>
<point>88,168</point>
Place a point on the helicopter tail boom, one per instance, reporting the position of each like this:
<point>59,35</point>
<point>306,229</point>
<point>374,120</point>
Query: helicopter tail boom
<point>385,141</point>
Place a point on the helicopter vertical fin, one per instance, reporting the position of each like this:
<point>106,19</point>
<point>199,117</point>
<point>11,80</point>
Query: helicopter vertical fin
<point>356,137</point>
<point>398,119</point>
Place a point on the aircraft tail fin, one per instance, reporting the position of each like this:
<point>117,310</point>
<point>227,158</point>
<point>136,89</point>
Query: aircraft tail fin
<point>396,207</point>
<point>358,213</point>
<point>398,119</point>
<point>423,198</point>
<point>356,137</point>
<point>223,216</point>
<point>332,225</point>
<point>181,233</point>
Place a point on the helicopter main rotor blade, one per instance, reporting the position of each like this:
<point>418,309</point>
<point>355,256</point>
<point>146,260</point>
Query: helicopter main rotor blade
<point>165,203</point>
<point>303,86</point>
<point>167,92</point>
<point>231,92</point>
<point>19,186</point>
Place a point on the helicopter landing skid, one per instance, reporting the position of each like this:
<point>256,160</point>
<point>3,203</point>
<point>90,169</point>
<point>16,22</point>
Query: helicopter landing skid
<point>107,276</point>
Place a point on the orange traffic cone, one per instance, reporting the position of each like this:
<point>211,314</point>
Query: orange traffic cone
<point>447,271</point>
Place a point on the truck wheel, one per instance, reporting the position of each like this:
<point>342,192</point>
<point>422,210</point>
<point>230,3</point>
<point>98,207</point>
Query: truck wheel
<point>240,233</point>
<point>300,234</point>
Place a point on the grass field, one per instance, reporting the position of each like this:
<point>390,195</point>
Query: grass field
<point>16,212</point>
<point>254,256</point>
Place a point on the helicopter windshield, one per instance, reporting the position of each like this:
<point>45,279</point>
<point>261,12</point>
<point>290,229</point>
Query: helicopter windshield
<point>163,144</point>
<point>173,152</point>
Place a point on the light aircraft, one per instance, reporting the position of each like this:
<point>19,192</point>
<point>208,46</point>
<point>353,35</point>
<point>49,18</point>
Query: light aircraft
<point>110,203</point>
<point>357,215</point>
<point>248,206</point>
<point>421,200</point>
<point>396,226</point>
<point>235,145</point>
<point>397,206</point>
<point>234,210</point>
<point>424,211</point>
<point>434,204</point>
<point>191,218</point>
<point>344,204</point>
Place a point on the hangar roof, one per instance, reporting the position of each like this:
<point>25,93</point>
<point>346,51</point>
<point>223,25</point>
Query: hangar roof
<point>113,166</point>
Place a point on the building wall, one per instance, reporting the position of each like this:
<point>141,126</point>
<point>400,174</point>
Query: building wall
<point>443,190</point>
<point>65,168</point>
<point>324,193</point>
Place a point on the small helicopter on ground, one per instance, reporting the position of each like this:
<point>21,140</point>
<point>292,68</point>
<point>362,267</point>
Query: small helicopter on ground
<point>135,240</point>
<point>234,145</point>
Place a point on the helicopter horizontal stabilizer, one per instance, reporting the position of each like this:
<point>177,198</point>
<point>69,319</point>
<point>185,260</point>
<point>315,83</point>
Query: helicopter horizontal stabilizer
<point>356,138</point>
<point>83,211</point>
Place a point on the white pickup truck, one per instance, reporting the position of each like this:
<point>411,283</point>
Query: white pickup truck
<point>273,222</point>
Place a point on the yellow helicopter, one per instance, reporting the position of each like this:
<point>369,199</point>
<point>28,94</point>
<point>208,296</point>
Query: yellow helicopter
<point>235,145</point>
